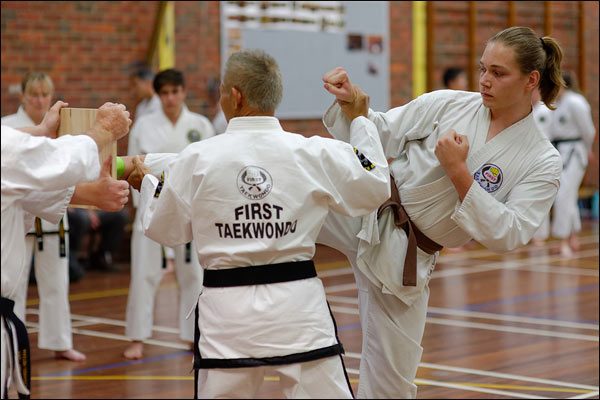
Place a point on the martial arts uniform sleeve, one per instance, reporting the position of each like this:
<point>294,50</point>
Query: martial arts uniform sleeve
<point>357,176</point>
<point>166,205</point>
<point>396,127</point>
<point>157,162</point>
<point>32,163</point>
<point>505,226</point>
<point>50,206</point>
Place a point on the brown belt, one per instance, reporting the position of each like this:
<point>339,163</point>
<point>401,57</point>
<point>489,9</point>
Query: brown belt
<point>416,238</point>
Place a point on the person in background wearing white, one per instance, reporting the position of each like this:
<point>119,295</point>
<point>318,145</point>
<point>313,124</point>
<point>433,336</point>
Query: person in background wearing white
<point>46,242</point>
<point>148,101</point>
<point>38,178</point>
<point>571,130</point>
<point>168,130</point>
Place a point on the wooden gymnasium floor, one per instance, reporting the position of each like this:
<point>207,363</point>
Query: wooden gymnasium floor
<point>521,325</point>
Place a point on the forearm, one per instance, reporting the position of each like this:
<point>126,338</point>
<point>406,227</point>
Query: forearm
<point>102,137</point>
<point>461,179</point>
<point>37,130</point>
<point>86,194</point>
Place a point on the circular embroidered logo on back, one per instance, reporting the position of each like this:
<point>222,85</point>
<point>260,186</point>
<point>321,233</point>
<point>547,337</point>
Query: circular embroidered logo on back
<point>193,135</point>
<point>489,177</point>
<point>254,183</point>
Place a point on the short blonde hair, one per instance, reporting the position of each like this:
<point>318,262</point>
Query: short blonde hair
<point>33,77</point>
<point>257,76</point>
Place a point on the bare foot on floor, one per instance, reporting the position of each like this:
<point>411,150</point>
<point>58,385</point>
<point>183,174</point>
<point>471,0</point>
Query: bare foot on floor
<point>71,355</point>
<point>565,250</point>
<point>135,351</point>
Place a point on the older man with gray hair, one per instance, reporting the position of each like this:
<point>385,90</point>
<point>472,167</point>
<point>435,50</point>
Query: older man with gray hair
<point>253,201</point>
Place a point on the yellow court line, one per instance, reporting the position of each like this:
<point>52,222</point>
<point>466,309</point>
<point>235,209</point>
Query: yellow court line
<point>418,382</point>
<point>276,379</point>
<point>112,378</point>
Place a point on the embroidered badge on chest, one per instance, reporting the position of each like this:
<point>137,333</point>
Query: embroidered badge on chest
<point>193,135</point>
<point>254,183</point>
<point>489,177</point>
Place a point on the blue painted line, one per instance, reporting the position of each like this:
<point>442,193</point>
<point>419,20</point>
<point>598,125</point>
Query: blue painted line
<point>349,327</point>
<point>119,364</point>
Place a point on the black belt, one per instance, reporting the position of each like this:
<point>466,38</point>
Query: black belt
<point>7,311</point>
<point>260,274</point>
<point>61,232</point>
<point>556,142</point>
<point>188,254</point>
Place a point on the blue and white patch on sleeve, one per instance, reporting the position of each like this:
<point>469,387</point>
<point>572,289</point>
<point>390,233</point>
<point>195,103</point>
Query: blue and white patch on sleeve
<point>489,177</point>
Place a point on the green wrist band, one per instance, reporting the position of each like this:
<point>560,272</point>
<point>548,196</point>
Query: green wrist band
<point>120,167</point>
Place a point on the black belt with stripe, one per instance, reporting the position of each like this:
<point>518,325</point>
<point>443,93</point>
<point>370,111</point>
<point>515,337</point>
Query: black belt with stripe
<point>567,159</point>
<point>7,311</point>
<point>260,274</point>
<point>61,232</point>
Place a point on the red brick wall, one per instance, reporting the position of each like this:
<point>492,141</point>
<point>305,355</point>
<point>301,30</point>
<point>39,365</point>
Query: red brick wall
<point>86,46</point>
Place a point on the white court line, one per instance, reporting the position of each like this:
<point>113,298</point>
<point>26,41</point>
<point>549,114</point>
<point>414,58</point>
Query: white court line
<point>489,327</point>
<point>513,318</point>
<point>513,264</point>
<point>105,335</point>
<point>523,378</point>
<point>510,329</point>
<point>561,270</point>
<point>116,322</point>
<point>524,264</point>
<point>552,382</point>
<point>343,299</point>
<point>473,314</point>
<point>340,288</point>
<point>33,327</point>
<point>586,395</point>
<point>90,320</point>
<point>334,272</point>
<point>583,240</point>
<point>344,310</point>
<point>421,382</point>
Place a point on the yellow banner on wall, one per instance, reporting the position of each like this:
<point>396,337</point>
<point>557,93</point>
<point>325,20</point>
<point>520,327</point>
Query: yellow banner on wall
<point>419,45</point>
<point>166,37</point>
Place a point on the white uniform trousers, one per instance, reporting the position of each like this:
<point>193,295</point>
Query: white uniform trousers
<point>52,278</point>
<point>319,379</point>
<point>146,274</point>
<point>391,330</point>
<point>565,214</point>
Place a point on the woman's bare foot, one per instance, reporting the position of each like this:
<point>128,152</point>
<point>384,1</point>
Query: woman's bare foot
<point>135,351</point>
<point>71,355</point>
<point>565,249</point>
